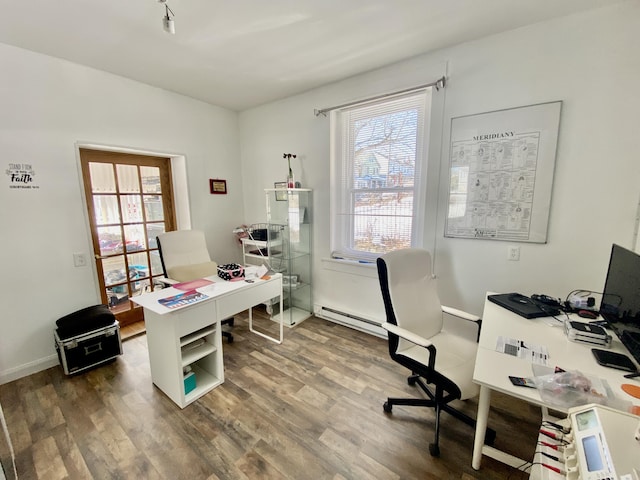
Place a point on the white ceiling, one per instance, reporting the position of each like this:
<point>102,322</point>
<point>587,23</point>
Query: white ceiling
<point>243,53</point>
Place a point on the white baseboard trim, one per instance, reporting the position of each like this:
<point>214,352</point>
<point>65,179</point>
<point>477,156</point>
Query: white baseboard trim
<point>27,369</point>
<point>350,320</point>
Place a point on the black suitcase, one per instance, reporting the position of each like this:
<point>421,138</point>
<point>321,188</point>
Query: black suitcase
<point>84,320</point>
<point>87,338</point>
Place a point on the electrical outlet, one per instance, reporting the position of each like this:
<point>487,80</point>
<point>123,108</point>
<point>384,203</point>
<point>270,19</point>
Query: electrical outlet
<point>513,253</point>
<point>79,260</point>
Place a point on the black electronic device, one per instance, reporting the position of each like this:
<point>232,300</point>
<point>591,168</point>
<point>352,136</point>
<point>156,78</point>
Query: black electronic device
<point>620,305</point>
<point>616,360</point>
<point>523,305</point>
<point>546,300</point>
<point>522,382</point>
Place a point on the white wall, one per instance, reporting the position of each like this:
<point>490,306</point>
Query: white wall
<point>48,106</point>
<point>589,61</point>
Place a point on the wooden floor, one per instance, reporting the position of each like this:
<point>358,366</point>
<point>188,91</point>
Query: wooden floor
<point>132,330</point>
<point>310,408</point>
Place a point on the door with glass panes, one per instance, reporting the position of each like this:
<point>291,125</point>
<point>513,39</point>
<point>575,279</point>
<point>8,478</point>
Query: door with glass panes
<point>129,201</point>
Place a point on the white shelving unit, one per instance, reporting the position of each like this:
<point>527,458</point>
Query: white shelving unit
<point>259,252</point>
<point>251,251</point>
<point>193,341</point>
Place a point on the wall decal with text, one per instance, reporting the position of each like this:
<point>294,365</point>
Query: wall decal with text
<point>21,175</point>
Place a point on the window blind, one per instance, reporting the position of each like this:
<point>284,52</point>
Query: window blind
<point>378,169</point>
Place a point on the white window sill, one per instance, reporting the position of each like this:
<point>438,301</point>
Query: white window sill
<point>354,267</point>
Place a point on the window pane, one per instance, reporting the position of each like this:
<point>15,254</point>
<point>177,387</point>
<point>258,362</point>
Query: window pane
<point>156,264</point>
<point>153,230</point>
<point>114,272</point>
<point>131,208</point>
<point>106,209</point>
<point>382,222</point>
<point>138,288</point>
<point>150,179</point>
<point>102,179</point>
<point>138,267</point>
<point>134,237</point>
<point>128,179</point>
<point>153,208</point>
<point>385,150</point>
<point>110,240</point>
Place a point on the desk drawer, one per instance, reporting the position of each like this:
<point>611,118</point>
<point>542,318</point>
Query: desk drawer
<point>239,301</point>
<point>188,320</point>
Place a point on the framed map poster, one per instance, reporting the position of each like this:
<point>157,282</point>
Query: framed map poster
<point>501,173</point>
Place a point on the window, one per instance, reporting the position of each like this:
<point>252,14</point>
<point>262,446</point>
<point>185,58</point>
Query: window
<point>379,154</point>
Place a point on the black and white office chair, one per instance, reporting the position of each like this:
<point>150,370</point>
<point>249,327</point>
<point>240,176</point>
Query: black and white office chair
<point>185,257</point>
<point>419,341</point>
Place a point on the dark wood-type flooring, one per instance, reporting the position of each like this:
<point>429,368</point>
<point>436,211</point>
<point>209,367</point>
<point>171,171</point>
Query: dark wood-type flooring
<point>310,408</point>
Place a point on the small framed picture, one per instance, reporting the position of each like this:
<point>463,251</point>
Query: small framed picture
<point>218,187</point>
<point>281,196</point>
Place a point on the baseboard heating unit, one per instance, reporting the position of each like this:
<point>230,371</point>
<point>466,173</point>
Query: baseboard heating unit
<point>350,320</point>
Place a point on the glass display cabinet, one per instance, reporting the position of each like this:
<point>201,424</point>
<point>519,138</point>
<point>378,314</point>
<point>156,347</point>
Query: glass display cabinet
<point>289,213</point>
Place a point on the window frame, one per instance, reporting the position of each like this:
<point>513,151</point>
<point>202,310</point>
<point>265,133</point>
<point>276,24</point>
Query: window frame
<point>342,164</point>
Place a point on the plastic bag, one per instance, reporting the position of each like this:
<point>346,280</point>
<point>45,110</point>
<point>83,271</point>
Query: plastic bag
<point>568,389</point>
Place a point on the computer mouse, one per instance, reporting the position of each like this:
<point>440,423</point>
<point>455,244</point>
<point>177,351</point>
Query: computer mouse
<point>588,314</point>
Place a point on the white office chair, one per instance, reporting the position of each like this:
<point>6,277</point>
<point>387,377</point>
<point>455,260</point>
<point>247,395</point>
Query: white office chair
<point>419,341</point>
<point>185,257</point>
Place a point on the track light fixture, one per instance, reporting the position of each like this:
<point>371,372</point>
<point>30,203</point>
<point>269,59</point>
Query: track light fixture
<point>168,23</point>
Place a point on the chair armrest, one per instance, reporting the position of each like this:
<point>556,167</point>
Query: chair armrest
<point>413,338</point>
<point>407,335</point>
<point>464,316</point>
<point>460,314</point>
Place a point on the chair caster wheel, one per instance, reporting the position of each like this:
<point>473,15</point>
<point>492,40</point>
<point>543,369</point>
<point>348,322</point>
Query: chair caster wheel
<point>411,380</point>
<point>434,450</point>
<point>386,407</point>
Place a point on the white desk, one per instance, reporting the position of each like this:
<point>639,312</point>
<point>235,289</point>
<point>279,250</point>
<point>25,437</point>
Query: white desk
<point>493,368</point>
<point>190,335</point>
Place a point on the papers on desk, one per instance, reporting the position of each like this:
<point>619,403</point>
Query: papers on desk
<point>531,352</point>
<point>192,285</point>
<point>182,299</point>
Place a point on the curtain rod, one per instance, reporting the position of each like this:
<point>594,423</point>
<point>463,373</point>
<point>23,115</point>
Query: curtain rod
<point>439,83</point>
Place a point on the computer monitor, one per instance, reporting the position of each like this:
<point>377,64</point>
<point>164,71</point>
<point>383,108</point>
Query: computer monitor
<point>620,304</point>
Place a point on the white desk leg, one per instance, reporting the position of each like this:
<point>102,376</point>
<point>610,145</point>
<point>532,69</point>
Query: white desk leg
<point>281,316</point>
<point>482,416</point>
<point>276,340</point>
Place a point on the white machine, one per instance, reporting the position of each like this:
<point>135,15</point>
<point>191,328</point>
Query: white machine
<point>602,444</point>
<point>587,333</point>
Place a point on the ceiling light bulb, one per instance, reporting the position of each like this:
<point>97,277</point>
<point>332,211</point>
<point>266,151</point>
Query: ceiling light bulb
<point>167,21</point>
<point>168,24</point>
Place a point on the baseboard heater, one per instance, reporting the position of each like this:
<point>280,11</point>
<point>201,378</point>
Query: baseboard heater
<point>350,320</point>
